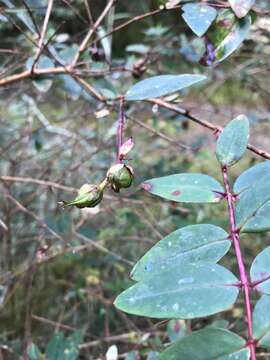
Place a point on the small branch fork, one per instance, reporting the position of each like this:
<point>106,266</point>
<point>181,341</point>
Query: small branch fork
<point>244,284</point>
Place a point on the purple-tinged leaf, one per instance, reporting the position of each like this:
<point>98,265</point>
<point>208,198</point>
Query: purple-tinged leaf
<point>241,7</point>
<point>126,147</point>
<point>234,39</point>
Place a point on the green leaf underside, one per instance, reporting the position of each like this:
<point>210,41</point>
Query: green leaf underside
<point>33,352</point>
<point>251,176</point>
<point>241,7</point>
<point>199,17</point>
<point>233,40</point>
<point>161,85</point>
<point>232,142</point>
<point>260,270</point>
<point>56,346</point>
<point>208,344</point>
<point>261,321</point>
<point>185,292</point>
<point>185,187</point>
<point>252,212</point>
<point>60,348</point>
<point>190,244</point>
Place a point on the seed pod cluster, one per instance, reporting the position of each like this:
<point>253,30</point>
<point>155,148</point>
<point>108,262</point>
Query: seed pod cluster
<point>118,176</point>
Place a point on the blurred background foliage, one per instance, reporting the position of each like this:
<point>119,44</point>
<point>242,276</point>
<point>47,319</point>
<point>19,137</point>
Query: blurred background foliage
<point>55,137</point>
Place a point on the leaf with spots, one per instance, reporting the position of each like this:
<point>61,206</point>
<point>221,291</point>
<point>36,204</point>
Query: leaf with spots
<point>208,344</point>
<point>199,17</point>
<point>190,244</point>
<point>161,85</point>
<point>232,142</point>
<point>241,7</point>
<point>260,271</point>
<point>185,292</point>
<point>186,187</point>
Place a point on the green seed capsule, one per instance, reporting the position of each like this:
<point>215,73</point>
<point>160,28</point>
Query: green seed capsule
<point>88,196</point>
<point>120,176</point>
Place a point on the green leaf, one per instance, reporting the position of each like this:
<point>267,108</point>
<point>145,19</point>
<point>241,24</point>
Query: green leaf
<point>185,187</point>
<point>233,40</point>
<point>60,348</point>
<point>260,271</point>
<point>252,176</point>
<point>190,244</point>
<point>157,86</point>
<point>261,321</point>
<point>21,14</point>
<point>42,84</point>
<point>185,292</point>
<point>208,344</point>
<point>56,347</point>
<point>241,7</point>
<point>132,355</point>
<point>71,86</point>
<point>253,209</point>
<point>199,17</point>
<point>220,323</point>
<point>232,142</point>
<point>33,352</point>
<point>71,351</point>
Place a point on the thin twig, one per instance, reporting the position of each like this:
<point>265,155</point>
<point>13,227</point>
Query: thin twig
<point>91,31</point>
<point>120,129</point>
<point>161,135</point>
<point>204,123</point>
<point>43,33</point>
<point>35,217</point>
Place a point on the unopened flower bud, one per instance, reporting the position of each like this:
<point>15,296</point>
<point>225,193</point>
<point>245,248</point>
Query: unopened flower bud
<point>120,176</point>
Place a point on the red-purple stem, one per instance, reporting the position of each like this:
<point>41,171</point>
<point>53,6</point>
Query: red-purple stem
<point>243,275</point>
<point>120,128</point>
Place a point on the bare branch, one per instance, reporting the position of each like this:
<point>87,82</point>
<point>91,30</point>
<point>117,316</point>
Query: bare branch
<point>204,123</point>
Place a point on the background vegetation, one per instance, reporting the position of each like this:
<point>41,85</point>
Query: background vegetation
<point>62,269</point>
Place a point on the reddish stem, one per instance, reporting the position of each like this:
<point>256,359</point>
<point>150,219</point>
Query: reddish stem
<point>243,275</point>
<point>120,128</point>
